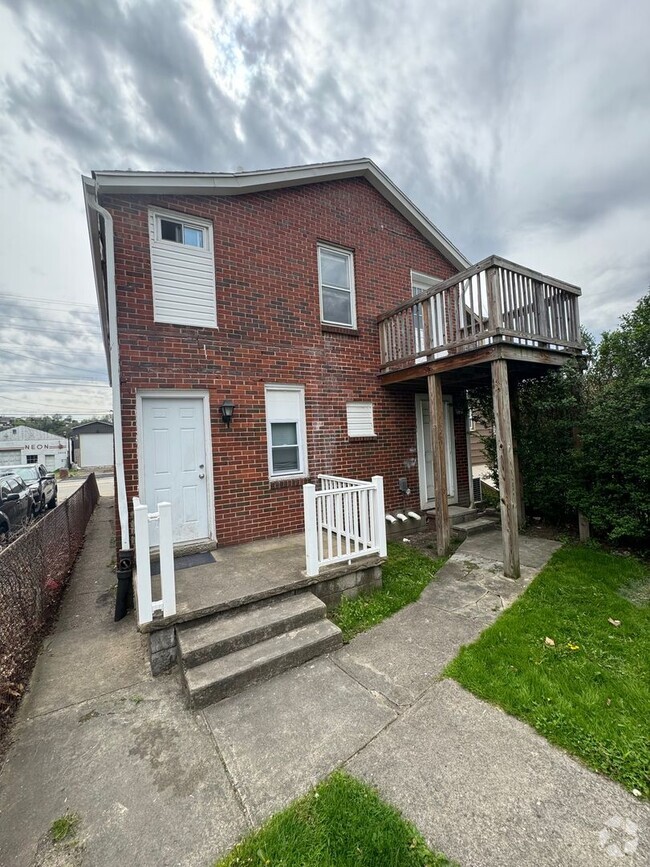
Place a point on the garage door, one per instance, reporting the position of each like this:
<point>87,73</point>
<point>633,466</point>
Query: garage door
<point>9,458</point>
<point>96,450</point>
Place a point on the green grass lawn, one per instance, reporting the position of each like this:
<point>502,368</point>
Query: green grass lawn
<point>589,692</point>
<point>405,575</point>
<point>340,823</point>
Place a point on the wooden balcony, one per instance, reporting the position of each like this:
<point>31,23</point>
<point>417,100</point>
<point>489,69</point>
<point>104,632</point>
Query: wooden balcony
<point>495,309</point>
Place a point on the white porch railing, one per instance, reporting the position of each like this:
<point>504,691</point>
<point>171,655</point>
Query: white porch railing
<point>147,606</point>
<point>344,520</point>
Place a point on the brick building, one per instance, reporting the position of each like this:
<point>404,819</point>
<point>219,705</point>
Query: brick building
<point>263,290</point>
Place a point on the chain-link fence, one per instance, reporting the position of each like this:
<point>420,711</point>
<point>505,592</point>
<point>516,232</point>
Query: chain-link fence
<point>34,570</point>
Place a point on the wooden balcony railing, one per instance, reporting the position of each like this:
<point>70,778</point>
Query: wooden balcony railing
<point>494,302</point>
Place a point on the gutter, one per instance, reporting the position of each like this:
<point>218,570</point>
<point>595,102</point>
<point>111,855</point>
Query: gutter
<point>114,359</point>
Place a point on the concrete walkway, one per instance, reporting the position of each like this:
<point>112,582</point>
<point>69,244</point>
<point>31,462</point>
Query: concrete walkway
<point>156,784</point>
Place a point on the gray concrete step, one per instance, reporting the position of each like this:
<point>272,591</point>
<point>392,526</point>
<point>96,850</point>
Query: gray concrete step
<point>214,680</point>
<point>460,515</point>
<point>472,528</point>
<point>216,636</point>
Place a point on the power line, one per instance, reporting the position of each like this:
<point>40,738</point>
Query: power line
<point>42,360</point>
<point>60,383</point>
<point>89,331</point>
<point>29,298</point>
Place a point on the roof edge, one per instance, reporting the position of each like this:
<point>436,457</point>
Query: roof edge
<point>240,183</point>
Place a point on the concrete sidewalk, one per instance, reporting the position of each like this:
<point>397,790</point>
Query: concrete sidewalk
<point>156,784</point>
<point>96,735</point>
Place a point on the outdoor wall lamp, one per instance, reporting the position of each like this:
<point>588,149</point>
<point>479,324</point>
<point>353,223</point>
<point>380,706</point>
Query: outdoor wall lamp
<point>227,410</point>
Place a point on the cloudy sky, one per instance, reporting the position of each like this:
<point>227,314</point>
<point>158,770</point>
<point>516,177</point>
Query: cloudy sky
<point>520,128</point>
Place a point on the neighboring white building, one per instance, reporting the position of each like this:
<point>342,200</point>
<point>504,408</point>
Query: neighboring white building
<point>26,445</point>
<point>92,444</point>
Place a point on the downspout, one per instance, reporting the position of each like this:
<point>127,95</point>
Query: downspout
<point>122,503</point>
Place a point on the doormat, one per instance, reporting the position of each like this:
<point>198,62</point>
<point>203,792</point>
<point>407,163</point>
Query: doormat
<point>185,562</point>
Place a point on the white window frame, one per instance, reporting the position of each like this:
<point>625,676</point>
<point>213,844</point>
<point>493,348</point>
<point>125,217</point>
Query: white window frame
<point>203,226</point>
<point>353,297</point>
<point>420,283</point>
<point>301,438</point>
<point>369,433</point>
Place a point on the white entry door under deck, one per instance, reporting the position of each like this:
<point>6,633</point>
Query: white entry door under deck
<point>174,464</point>
<point>425,455</point>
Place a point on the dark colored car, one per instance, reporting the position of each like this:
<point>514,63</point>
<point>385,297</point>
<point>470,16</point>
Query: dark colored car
<point>42,485</point>
<point>16,506</point>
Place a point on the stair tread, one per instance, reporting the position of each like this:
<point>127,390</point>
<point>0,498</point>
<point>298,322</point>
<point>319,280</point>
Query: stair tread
<point>223,627</point>
<point>478,522</point>
<point>256,655</point>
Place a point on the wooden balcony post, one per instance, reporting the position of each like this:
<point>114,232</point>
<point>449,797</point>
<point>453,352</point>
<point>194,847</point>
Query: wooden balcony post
<point>439,457</point>
<point>495,315</point>
<point>519,487</point>
<point>506,464</point>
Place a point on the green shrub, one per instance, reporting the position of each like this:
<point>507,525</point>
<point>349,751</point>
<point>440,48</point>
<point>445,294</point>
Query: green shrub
<point>583,434</point>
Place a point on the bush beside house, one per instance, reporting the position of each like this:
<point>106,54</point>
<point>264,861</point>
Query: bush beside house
<point>583,434</point>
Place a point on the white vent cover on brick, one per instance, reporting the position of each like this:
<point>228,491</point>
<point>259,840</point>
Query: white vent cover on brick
<point>182,269</point>
<point>360,420</point>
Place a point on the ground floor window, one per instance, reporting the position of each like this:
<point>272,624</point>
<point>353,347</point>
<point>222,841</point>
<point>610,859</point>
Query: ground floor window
<point>31,459</point>
<point>285,430</point>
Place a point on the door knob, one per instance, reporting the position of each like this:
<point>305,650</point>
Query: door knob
<point>201,475</point>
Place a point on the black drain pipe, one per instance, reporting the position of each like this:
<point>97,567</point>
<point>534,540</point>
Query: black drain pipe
<point>124,594</point>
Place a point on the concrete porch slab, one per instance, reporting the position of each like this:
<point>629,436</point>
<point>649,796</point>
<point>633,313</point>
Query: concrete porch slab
<point>240,574</point>
<point>281,737</point>
<point>255,571</point>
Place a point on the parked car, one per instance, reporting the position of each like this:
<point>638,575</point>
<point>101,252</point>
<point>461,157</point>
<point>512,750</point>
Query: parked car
<point>41,483</point>
<point>16,506</point>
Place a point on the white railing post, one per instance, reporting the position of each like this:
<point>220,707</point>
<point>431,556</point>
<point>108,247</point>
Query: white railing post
<point>311,530</point>
<point>380,516</point>
<point>142,562</point>
<point>166,549</point>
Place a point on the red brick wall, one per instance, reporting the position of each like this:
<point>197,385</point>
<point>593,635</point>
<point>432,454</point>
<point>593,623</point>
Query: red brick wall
<point>270,332</point>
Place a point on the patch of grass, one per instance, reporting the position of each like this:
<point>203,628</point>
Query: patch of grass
<point>64,828</point>
<point>405,575</point>
<point>588,691</point>
<point>340,823</point>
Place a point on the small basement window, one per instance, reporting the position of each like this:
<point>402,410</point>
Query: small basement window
<point>360,420</point>
<point>181,233</point>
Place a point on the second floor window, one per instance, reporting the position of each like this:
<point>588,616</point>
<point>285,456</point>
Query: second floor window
<point>336,284</point>
<point>182,269</point>
<point>181,233</point>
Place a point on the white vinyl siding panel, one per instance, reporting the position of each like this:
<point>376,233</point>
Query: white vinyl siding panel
<point>183,276</point>
<point>360,420</point>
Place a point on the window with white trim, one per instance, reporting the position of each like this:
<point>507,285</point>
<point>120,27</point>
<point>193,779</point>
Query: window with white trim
<point>182,269</point>
<point>360,420</point>
<point>181,232</point>
<point>286,431</point>
<point>336,287</point>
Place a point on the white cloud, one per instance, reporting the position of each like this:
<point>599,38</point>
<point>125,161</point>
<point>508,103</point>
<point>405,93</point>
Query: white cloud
<point>521,129</point>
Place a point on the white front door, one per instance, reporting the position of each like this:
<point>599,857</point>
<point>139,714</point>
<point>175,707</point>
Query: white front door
<point>173,464</point>
<point>425,454</point>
